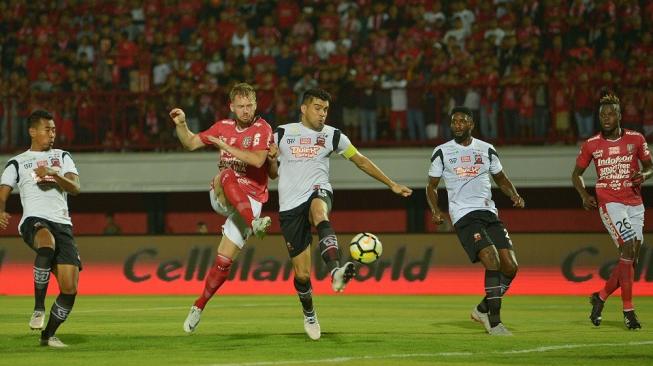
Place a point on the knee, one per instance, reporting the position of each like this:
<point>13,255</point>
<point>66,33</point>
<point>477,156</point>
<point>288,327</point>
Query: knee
<point>628,250</point>
<point>490,258</point>
<point>509,269</point>
<point>302,277</point>
<point>68,289</point>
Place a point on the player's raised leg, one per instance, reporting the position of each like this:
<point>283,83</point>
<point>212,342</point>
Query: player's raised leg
<point>328,245</point>
<point>240,201</point>
<point>67,278</point>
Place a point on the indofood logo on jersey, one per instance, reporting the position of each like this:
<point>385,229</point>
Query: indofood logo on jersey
<point>615,160</point>
<point>305,151</point>
<point>471,171</point>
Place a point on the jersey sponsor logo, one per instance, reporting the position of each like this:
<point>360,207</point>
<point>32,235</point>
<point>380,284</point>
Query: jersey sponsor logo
<point>232,141</point>
<point>614,150</point>
<point>257,139</point>
<point>305,140</point>
<point>471,171</point>
<point>597,154</point>
<point>304,151</point>
<point>321,140</point>
<point>247,141</point>
<point>453,160</point>
<point>615,185</point>
<point>27,165</point>
<point>466,159</point>
<point>41,163</point>
<point>290,141</point>
<point>616,160</point>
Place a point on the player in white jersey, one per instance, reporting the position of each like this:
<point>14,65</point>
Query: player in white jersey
<point>305,195</point>
<point>45,176</point>
<point>465,164</point>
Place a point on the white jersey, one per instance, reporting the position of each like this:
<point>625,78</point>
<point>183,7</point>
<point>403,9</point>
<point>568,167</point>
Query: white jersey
<point>304,161</point>
<point>466,172</point>
<point>37,195</point>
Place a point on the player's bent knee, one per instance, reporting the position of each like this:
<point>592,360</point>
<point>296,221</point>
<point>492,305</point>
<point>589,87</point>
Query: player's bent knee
<point>303,277</point>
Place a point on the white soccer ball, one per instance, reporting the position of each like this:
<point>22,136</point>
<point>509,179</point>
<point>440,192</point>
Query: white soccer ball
<point>365,248</point>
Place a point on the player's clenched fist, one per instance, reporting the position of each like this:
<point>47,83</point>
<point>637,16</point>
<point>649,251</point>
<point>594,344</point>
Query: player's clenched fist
<point>178,116</point>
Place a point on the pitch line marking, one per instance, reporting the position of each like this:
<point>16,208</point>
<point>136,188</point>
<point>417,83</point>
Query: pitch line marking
<point>176,308</point>
<point>439,354</point>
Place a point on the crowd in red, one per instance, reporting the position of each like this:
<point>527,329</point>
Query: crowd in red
<point>531,70</point>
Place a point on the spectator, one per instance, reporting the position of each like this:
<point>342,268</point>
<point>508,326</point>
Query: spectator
<point>110,226</point>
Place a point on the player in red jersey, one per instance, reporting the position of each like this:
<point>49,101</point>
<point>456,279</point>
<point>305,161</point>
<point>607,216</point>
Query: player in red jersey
<point>616,153</point>
<point>241,186</point>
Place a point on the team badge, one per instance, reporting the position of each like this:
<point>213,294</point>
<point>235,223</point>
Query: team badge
<point>320,141</point>
<point>630,148</point>
<point>55,162</point>
<point>478,159</point>
<point>247,142</point>
<point>477,237</point>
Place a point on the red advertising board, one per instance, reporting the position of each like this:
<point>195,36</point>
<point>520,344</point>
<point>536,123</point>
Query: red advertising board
<point>550,264</point>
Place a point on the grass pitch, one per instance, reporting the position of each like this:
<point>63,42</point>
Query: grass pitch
<point>360,330</point>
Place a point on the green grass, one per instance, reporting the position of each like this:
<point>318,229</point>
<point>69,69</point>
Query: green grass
<point>360,330</point>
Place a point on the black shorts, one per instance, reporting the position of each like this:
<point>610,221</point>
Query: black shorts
<point>65,249</point>
<point>480,229</point>
<point>295,225</point>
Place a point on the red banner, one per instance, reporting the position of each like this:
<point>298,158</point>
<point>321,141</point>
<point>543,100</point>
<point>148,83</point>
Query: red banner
<point>550,264</point>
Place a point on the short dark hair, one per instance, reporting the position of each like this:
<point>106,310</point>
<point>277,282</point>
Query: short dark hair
<point>463,110</point>
<point>35,118</point>
<point>316,93</point>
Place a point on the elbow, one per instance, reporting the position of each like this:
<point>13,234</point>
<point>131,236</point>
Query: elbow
<point>274,175</point>
<point>75,191</point>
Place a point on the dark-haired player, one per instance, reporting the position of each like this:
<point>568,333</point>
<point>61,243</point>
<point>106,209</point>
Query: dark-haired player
<point>465,164</point>
<point>306,196</point>
<point>616,153</point>
<point>45,176</point>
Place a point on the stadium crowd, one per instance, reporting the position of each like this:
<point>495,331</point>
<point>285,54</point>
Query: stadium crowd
<point>530,70</point>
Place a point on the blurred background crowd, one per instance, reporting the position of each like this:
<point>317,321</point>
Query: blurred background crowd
<point>530,70</point>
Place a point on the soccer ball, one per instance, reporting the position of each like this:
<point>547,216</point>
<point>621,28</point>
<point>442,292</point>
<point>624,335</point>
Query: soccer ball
<point>365,248</point>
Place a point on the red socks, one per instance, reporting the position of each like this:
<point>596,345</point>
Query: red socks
<point>623,275</point>
<point>626,279</point>
<point>216,277</point>
<point>235,195</point>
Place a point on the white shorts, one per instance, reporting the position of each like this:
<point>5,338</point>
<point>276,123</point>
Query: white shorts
<point>235,228</point>
<point>623,222</point>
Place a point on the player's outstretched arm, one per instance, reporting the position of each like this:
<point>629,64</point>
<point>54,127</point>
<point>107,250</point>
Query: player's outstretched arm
<point>4,216</point>
<point>589,202</point>
<point>432,199</point>
<point>251,157</point>
<point>365,164</point>
<point>189,140</point>
<point>509,189</point>
<point>68,182</point>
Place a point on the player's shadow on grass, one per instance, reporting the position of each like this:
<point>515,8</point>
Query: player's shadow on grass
<point>613,324</point>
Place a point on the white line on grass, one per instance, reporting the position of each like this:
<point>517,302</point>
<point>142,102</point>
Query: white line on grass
<point>439,354</point>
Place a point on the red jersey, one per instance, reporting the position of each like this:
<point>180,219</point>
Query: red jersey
<point>615,161</point>
<point>253,138</point>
